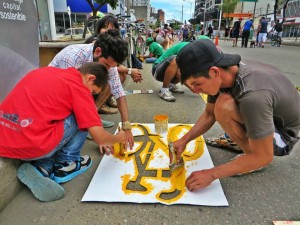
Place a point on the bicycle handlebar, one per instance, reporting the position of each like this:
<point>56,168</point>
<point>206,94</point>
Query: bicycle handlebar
<point>119,15</point>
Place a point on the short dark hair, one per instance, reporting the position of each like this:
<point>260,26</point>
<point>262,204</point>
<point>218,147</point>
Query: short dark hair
<point>112,44</point>
<point>97,69</point>
<point>104,22</point>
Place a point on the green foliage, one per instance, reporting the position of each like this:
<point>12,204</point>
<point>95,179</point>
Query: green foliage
<point>157,23</point>
<point>229,5</point>
<point>112,3</point>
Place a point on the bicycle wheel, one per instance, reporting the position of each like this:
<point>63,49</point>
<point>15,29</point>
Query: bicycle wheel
<point>279,42</point>
<point>273,41</point>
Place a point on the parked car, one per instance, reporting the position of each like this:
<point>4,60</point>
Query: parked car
<point>76,33</point>
<point>59,29</point>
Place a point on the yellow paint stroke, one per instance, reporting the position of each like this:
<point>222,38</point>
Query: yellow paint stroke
<point>204,97</point>
<point>146,155</point>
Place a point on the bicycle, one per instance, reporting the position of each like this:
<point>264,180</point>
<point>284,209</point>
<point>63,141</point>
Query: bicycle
<point>129,38</point>
<point>275,40</point>
<point>90,24</point>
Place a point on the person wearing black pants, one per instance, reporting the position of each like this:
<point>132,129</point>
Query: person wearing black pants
<point>246,32</point>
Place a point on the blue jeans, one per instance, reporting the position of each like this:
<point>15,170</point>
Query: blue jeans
<point>68,150</point>
<point>151,60</point>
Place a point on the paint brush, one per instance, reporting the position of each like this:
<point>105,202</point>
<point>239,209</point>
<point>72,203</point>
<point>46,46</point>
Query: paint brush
<point>174,164</point>
<point>121,152</point>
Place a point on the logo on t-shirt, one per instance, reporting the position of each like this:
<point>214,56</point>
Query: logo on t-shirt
<point>15,118</point>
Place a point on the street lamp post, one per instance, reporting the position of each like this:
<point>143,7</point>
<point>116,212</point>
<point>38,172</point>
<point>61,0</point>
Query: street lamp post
<point>220,18</point>
<point>204,26</point>
<point>69,13</point>
<point>182,14</point>
<point>190,7</point>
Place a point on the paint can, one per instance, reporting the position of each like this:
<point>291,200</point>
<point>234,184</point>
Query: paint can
<point>161,123</point>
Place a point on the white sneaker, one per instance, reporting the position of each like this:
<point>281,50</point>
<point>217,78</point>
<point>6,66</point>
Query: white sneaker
<point>167,96</point>
<point>175,89</point>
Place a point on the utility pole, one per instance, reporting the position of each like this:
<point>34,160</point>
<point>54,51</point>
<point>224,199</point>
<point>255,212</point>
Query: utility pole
<point>204,26</point>
<point>220,18</point>
<point>254,10</point>
<point>128,7</point>
<point>267,12</point>
<point>182,14</point>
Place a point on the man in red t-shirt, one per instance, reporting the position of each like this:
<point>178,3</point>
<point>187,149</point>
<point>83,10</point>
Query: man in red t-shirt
<point>46,118</point>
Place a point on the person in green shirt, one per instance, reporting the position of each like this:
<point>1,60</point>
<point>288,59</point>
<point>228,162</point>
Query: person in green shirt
<point>165,70</point>
<point>155,50</point>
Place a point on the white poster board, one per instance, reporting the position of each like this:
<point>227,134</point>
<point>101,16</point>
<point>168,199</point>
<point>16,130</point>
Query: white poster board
<point>142,175</point>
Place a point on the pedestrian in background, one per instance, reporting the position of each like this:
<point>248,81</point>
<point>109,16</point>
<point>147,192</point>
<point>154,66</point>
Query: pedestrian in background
<point>246,32</point>
<point>236,32</point>
<point>227,29</point>
<point>210,31</point>
<point>155,51</point>
<point>263,30</point>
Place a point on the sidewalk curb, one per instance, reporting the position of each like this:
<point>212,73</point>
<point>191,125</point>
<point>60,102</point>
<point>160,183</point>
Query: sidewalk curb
<point>10,185</point>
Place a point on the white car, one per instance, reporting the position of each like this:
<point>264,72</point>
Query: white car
<point>76,33</point>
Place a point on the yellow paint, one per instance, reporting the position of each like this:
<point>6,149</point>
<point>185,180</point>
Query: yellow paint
<point>204,97</point>
<point>178,176</point>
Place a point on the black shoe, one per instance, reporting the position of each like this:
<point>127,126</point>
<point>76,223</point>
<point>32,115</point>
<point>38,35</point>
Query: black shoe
<point>64,172</point>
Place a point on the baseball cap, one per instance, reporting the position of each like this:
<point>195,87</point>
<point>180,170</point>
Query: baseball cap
<point>200,55</point>
<point>149,40</point>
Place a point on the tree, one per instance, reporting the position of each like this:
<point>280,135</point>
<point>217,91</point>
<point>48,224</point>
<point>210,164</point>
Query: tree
<point>112,3</point>
<point>229,6</point>
<point>284,7</point>
<point>157,23</point>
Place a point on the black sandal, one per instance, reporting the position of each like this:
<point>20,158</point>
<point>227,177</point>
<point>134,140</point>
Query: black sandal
<point>223,142</point>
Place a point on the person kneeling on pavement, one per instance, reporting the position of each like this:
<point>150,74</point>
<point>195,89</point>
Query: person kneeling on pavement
<point>44,121</point>
<point>110,50</point>
<point>249,99</point>
<point>155,50</point>
<point>165,70</point>
<point>110,22</point>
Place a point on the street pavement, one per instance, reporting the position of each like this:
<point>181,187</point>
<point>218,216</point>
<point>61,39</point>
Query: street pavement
<point>258,198</point>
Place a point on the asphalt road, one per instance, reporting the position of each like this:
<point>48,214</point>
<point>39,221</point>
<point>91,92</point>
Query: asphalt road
<point>259,198</point>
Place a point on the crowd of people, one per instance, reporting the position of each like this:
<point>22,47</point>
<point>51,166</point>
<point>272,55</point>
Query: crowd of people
<point>249,34</point>
<point>53,109</point>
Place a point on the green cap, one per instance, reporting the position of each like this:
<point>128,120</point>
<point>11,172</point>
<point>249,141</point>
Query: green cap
<point>149,40</point>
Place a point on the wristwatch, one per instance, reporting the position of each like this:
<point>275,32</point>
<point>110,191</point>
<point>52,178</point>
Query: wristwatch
<point>129,71</point>
<point>126,125</point>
